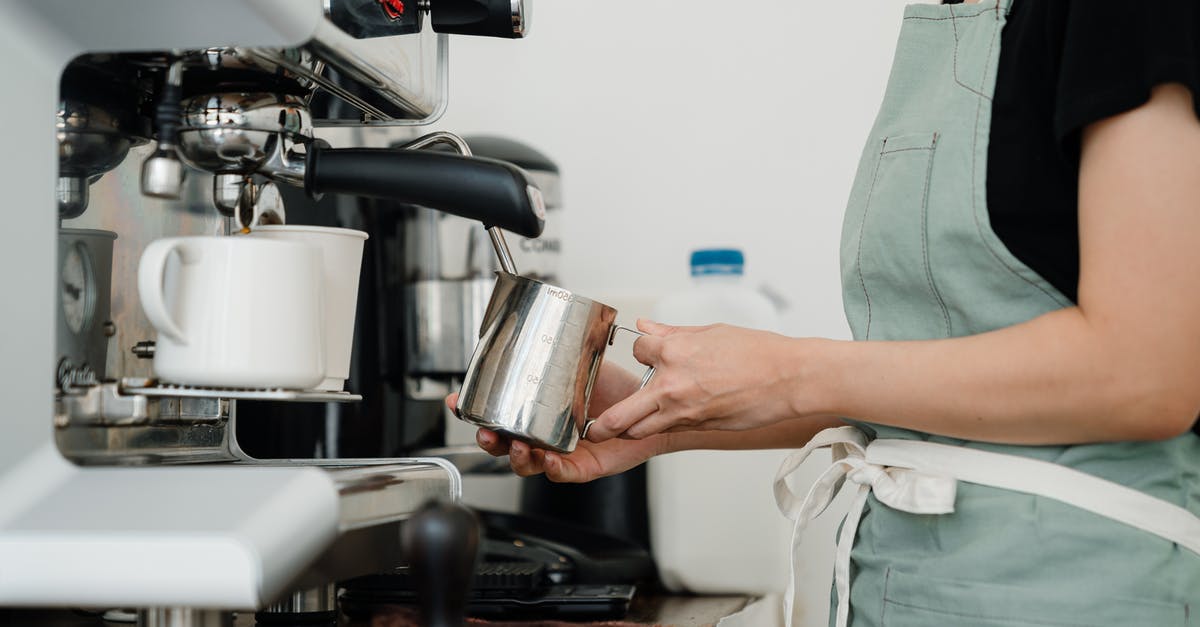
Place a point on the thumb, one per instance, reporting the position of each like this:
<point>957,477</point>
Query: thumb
<point>657,329</point>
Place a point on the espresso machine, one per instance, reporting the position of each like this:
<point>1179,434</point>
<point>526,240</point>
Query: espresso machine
<point>134,120</point>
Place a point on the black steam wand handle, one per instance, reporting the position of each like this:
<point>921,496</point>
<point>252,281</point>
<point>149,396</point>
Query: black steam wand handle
<point>496,193</point>
<point>441,542</point>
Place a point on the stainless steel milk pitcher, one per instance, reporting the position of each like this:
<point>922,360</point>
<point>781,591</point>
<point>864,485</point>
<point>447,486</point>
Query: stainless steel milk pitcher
<point>532,372</point>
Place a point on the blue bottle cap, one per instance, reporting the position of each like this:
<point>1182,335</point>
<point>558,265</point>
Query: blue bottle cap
<point>709,261</point>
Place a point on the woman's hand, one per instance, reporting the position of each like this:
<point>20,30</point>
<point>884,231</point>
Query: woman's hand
<point>589,460</point>
<point>716,377</point>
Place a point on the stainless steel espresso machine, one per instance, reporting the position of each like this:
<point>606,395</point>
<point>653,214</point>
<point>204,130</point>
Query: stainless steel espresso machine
<point>131,120</point>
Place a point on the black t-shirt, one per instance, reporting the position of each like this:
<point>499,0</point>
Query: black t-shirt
<point>1063,65</point>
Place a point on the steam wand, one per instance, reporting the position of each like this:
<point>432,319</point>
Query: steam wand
<point>460,145</point>
<point>498,194</point>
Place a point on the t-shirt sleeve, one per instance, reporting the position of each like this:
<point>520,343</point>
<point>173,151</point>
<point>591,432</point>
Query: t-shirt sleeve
<point>1114,52</point>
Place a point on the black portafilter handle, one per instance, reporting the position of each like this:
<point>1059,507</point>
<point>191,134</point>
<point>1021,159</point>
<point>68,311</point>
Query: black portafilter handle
<point>441,543</point>
<point>484,18</point>
<point>496,193</point>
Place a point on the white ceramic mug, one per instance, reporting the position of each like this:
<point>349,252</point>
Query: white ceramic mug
<point>342,250</point>
<point>235,312</point>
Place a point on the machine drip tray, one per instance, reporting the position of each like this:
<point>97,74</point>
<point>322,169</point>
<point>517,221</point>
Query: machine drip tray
<point>291,396</point>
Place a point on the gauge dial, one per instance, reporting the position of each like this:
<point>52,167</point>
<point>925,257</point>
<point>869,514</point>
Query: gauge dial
<point>77,289</point>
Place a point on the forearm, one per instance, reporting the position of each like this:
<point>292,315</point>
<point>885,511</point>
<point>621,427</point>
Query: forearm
<point>788,434</point>
<point>1060,378</point>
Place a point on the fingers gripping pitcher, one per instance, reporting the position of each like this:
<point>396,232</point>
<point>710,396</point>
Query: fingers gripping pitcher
<point>539,351</point>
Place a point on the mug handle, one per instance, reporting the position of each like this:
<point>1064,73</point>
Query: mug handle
<point>645,377</point>
<point>151,269</point>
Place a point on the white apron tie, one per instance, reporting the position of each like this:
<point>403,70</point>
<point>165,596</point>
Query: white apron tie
<point>920,477</point>
<point>899,488</point>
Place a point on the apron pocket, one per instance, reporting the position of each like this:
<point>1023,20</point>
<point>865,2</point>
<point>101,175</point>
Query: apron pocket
<point>919,601</point>
<point>890,259</point>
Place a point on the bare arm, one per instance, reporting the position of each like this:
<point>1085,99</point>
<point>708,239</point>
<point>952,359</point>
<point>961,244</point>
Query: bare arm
<point>615,384</point>
<point>1122,365</point>
<point>786,434</point>
<point>591,460</point>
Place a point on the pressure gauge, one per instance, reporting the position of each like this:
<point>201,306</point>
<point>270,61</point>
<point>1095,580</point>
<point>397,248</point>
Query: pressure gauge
<point>78,288</point>
<point>83,283</point>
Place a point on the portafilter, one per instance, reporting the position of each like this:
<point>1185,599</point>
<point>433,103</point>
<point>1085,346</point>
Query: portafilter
<point>244,134</point>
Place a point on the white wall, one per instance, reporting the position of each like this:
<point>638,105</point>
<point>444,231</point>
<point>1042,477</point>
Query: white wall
<point>680,124</point>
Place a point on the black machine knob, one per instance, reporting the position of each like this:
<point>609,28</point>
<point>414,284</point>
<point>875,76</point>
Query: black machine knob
<point>441,542</point>
<point>507,19</point>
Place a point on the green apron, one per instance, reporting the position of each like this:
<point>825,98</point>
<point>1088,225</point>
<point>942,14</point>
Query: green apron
<point>920,261</point>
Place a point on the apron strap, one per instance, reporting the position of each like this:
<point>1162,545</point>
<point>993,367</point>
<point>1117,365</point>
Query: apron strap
<point>1054,481</point>
<point>900,488</point>
<point>920,477</point>
<point>842,441</point>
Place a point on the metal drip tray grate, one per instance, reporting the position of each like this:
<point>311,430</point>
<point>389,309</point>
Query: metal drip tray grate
<point>241,394</point>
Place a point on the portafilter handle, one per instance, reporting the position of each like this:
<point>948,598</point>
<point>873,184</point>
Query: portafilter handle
<point>498,194</point>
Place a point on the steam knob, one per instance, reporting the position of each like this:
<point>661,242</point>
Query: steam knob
<point>507,19</point>
<point>362,19</point>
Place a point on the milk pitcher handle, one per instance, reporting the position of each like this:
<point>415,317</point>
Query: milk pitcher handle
<point>645,377</point>
<point>613,334</point>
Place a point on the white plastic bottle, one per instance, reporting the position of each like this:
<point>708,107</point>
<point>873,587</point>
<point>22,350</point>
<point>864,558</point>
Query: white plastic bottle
<point>713,521</point>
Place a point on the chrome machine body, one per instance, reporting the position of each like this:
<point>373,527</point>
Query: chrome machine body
<point>101,504</point>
